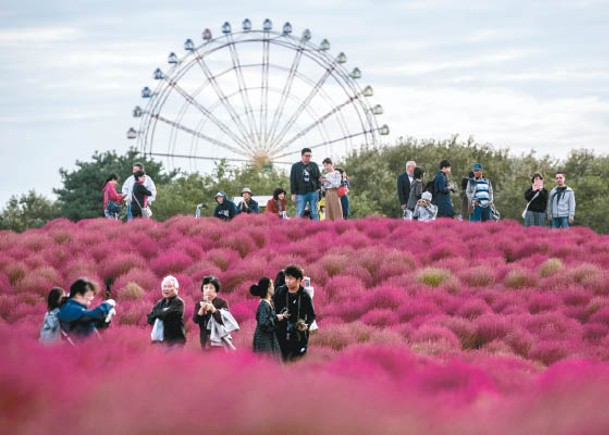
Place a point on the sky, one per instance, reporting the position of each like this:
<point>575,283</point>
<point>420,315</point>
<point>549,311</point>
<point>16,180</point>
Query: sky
<point>522,75</point>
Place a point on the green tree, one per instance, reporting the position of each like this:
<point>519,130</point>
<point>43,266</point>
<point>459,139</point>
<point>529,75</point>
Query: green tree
<point>27,211</point>
<point>81,195</point>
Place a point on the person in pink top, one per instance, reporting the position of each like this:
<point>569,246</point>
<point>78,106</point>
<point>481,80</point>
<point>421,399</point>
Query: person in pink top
<point>112,199</point>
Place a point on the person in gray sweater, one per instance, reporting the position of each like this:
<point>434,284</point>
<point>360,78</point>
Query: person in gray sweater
<point>561,204</point>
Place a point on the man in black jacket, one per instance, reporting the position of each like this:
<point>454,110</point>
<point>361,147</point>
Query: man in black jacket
<point>225,209</point>
<point>304,184</point>
<point>404,181</point>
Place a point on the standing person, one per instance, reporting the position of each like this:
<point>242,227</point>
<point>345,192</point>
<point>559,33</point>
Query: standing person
<point>75,317</point>
<point>127,188</point>
<point>304,184</point>
<point>416,190</point>
<point>265,337</point>
<point>50,332</point>
<point>112,200</point>
<point>169,310</point>
<point>295,306</point>
<point>442,190</point>
<point>331,182</point>
<point>277,204</point>
<point>344,200</point>
<point>225,208</point>
<point>537,202</point>
<point>404,181</point>
<point>140,195</point>
<point>561,205</point>
<point>480,195</point>
<point>465,208</point>
<point>209,306</point>
<point>248,205</point>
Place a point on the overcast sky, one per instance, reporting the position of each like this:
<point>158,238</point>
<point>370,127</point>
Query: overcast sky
<point>517,74</point>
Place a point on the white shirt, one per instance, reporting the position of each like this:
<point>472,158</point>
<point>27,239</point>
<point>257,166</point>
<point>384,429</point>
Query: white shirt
<point>127,188</point>
<point>334,180</point>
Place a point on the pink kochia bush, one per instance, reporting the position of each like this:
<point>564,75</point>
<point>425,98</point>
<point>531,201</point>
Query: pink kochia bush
<point>421,329</point>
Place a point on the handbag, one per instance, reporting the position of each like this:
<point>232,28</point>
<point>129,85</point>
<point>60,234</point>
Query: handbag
<point>146,212</point>
<point>524,213</point>
<point>342,191</point>
<point>114,207</point>
<point>495,215</point>
<point>158,330</point>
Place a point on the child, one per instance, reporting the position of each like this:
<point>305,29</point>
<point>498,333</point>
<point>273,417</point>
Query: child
<point>424,210</point>
<point>50,333</point>
<point>265,337</point>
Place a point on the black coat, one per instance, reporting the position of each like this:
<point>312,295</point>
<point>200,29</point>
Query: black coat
<point>202,321</point>
<point>171,312</point>
<point>403,188</point>
<point>298,184</point>
<point>292,342</point>
<point>540,203</point>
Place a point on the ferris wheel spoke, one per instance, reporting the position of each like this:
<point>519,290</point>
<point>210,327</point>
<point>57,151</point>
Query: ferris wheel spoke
<point>264,93</point>
<point>286,90</point>
<point>243,90</point>
<point>328,142</point>
<point>314,91</point>
<point>188,156</point>
<point>197,134</point>
<point>316,123</point>
<point>222,126</point>
<point>222,97</point>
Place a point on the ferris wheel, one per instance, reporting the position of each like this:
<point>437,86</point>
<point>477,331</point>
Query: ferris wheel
<point>255,96</point>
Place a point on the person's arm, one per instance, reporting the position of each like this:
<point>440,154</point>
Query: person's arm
<point>232,210</point>
<point>219,304</point>
<point>293,178</point>
<point>113,195</point>
<point>490,191</point>
<point>175,310</point>
<point>400,191</point>
<point>254,207</point>
<point>271,207</point>
<point>571,206</point>
<point>127,186</point>
<point>152,188</point>
<point>471,191</point>
<point>308,307</point>
<point>439,184</point>
<point>529,194</point>
<point>266,321</point>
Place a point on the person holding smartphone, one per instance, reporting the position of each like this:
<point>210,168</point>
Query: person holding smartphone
<point>210,305</point>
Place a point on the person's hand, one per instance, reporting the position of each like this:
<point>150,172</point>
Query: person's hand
<point>111,302</point>
<point>294,199</point>
<point>570,220</point>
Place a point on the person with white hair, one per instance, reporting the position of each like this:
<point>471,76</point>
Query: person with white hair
<point>404,181</point>
<point>167,315</point>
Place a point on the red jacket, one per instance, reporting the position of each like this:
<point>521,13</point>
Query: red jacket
<point>111,195</point>
<point>272,207</point>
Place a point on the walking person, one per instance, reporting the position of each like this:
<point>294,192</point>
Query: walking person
<point>561,204</point>
<point>304,185</point>
<point>265,336</point>
<point>112,200</point>
<point>537,202</point>
<point>442,190</point>
<point>331,182</point>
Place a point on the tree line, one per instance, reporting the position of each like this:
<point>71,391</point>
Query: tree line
<point>372,172</point>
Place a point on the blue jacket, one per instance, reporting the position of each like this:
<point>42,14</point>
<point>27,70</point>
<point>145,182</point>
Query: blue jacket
<point>441,196</point>
<point>76,319</point>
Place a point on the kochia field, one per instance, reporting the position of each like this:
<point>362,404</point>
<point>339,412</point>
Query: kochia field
<point>447,327</point>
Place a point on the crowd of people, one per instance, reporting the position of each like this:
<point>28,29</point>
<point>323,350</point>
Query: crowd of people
<point>317,195</point>
<point>284,319</point>
<point>427,201</point>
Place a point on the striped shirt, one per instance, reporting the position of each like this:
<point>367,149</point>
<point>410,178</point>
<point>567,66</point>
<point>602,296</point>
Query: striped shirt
<point>481,193</point>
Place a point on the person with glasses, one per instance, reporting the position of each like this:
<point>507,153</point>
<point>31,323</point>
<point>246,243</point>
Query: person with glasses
<point>305,184</point>
<point>561,205</point>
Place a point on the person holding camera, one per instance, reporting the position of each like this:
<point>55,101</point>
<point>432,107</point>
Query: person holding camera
<point>442,190</point>
<point>296,313</point>
<point>210,305</point>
